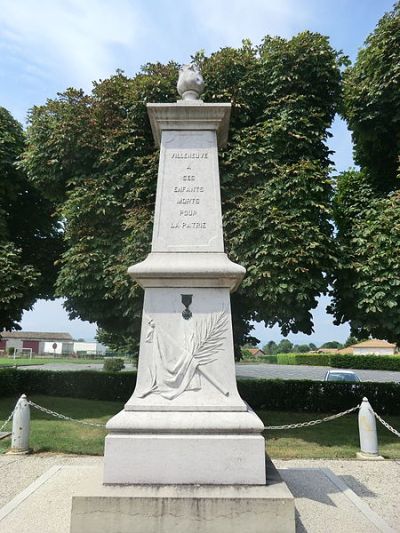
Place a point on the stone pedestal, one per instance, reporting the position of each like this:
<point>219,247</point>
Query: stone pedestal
<point>220,448</point>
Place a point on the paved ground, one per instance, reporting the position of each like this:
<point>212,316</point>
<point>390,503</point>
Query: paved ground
<point>267,371</point>
<point>331,496</point>
<point>307,372</point>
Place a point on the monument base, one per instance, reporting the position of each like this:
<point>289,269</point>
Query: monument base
<point>184,459</point>
<point>210,448</point>
<point>181,508</point>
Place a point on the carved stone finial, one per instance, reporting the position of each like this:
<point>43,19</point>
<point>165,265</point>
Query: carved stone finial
<point>190,82</point>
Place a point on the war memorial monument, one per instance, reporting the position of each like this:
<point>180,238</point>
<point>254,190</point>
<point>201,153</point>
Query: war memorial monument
<point>186,454</point>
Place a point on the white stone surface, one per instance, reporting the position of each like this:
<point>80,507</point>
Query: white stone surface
<point>187,269</point>
<point>188,203</point>
<point>191,422</point>
<point>185,459</point>
<point>21,426</point>
<point>185,422</point>
<point>183,508</point>
<point>186,364</point>
<point>190,82</point>
<point>190,116</point>
<point>367,429</point>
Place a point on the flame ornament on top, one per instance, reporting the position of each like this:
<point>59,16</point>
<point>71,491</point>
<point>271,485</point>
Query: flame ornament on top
<point>190,82</point>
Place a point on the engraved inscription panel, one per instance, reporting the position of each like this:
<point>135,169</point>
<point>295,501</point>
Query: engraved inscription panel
<point>188,212</point>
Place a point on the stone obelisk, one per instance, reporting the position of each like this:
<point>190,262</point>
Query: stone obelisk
<point>186,454</point>
<point>185,422</point>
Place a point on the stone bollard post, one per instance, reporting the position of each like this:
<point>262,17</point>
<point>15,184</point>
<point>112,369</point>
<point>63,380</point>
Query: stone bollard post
<point>21,427</point>
<point>367,431</point>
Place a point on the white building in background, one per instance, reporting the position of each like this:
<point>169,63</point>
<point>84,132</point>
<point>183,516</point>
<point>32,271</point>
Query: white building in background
<point>58,348</point>
<point>373,347</point>
<point>89,348</point>
<point>36,342</point>
<point>41,343</point>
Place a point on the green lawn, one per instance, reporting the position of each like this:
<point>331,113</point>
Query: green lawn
<point>19,361</point>
<point>336,439</point>
<point>51,434</point>
<point>329,440</point>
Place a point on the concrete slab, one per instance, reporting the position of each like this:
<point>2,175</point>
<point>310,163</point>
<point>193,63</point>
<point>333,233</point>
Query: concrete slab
<point>182,508</point>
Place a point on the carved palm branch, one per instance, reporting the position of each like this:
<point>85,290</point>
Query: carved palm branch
<point>209,337</point>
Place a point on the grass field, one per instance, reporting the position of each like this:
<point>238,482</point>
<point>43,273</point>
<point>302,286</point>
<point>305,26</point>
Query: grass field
<point>19,361</point>
<point>331,440</point>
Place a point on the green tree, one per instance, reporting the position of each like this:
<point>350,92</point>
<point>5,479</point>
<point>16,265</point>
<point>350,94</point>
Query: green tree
<point>372,102</point>
<point>270,348</point>
<point>366,290</point>
<point>284,346</point>
<point>350,341</point>
<point>94,154</point>
<point>301,348</point>
<point>332,345</point>
<point>29,237</point>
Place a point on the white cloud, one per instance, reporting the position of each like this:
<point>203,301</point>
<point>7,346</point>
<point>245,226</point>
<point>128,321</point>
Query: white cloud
<point>229,21</point>
<point>73,37</point>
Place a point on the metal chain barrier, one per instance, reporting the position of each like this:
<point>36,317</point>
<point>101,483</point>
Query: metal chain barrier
<point>288,426</point>
<point>63,417</point>
<point>314,422</point>
<point>387,426</point>
<point>7,421</point>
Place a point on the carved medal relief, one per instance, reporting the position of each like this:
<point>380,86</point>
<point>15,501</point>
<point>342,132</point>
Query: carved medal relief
<point>186,343</point>
<point>189,216</point>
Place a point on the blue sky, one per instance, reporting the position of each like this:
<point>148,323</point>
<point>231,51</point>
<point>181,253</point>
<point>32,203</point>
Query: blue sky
<point>49,45</point>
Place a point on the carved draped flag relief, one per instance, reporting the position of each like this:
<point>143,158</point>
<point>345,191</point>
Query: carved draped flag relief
<point>174,368</point>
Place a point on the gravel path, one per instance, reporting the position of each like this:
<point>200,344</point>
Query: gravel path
<point>320,507</point>
<point>375,482</point>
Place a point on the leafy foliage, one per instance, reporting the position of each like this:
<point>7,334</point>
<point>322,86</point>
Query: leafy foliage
<point>367,203</point>
<point>285,346</point>
<point>350,341</point>
<point>95,155</point>
<point>29,238</point>
<point>114,364</point>
<point>372,102</point>
<point>367,288</point>
<point>332,345</point>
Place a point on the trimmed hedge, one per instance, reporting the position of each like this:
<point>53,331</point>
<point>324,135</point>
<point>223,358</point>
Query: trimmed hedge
<point>271,359</point>
<point>318,396</point>
<point>290,395</point>
<point>356,362</point>
<point>88,384</point>
<point>321,359</point>
<point>366,362</point>
<point>113,364</point>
